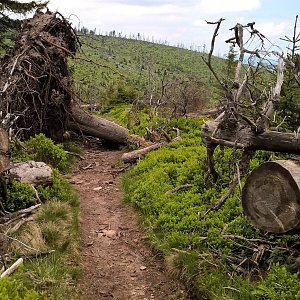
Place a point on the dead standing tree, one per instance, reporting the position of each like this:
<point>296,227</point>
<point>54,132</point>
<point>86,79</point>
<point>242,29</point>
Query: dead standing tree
<point>244,123</point>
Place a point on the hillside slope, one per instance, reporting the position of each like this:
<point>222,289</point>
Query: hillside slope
<point>116,69</point>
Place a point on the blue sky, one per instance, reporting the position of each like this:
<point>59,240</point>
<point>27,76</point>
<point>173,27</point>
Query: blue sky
<point>182,21</point>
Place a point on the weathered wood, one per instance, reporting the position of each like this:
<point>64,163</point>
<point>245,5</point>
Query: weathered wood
<point>245,138</point>
<point>32,172</point>
<point>271,196</point>
<point>135,155</point>
<point>4,151</point>
<point>96,126</point>
<point>11,217</point>
<point>12,268</point>
<point>180,188</point>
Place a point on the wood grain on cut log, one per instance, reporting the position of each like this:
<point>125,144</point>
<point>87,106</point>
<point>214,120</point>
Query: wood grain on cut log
<point>4,151</point>
<point>96,126</point>
<point>271,196</point>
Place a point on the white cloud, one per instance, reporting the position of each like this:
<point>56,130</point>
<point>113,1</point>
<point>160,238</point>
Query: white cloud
<point>225,6</point>
<point>270,29</point>
<point>175,20</point>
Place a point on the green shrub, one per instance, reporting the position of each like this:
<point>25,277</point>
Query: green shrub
<point>13,289</point>
<point>19,196</point>
<point>279,284</point>
<point>180,220</point>
<point>41,148</point>
<point>60,189</point>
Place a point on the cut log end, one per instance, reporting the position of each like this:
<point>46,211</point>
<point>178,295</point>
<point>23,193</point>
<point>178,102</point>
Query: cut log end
<point>271,196</point>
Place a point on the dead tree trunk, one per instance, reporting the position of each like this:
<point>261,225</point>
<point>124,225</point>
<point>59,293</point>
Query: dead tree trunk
<point>271,196</point>
<point>98,127</point>
<point>243,137</point>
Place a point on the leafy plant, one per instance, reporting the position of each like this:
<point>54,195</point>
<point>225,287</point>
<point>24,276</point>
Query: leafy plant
<point>180,220</point>
<point>41,148</point>
<point>19,195</point>
<point>13,289</point>
<point>279,284</point>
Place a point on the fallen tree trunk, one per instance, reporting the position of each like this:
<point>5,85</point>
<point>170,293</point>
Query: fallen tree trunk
<point>98,127</point>
<point>135,155</point>
<point>244,138</point>
<point>271,196</point>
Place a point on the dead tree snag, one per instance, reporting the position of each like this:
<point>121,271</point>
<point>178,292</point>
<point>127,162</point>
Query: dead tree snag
<point>245,122</point>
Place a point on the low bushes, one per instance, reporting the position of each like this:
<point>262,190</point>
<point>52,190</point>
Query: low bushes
<point>215,251</point>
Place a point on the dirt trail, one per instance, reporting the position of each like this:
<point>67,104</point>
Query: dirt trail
<point>116,261</point>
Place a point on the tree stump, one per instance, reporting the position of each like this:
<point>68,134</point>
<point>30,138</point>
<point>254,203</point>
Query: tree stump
<point>271,196</point>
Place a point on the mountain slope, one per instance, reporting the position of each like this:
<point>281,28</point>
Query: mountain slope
<point>124,68</point>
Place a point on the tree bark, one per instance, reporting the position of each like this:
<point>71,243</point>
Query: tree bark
<point>244,138</point>
<point>96,126</point>
<point>271,196</point>
<point>135,155</point>
<point>4,151</point>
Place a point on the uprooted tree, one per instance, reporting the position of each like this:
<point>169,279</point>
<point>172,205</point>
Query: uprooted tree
<point>36,83</point>
<point>271,196</point>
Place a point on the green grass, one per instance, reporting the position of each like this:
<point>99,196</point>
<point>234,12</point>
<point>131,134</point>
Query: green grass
<point>55,226</point>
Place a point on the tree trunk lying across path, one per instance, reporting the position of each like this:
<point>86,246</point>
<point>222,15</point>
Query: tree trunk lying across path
<point>135,155</point>
<point>271,196</point>
<point>244,138</point>
<point>96,126</point>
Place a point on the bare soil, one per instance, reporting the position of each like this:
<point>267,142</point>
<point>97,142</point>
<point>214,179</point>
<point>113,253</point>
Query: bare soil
<point>117,260</point>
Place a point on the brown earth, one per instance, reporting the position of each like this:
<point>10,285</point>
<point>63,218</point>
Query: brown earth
<point>117,260</point>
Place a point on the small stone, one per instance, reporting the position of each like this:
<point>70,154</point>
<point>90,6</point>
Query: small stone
<point>143,268</point>
<point>90,243</point>
<point>99,188</point>
<point>109,233</point>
